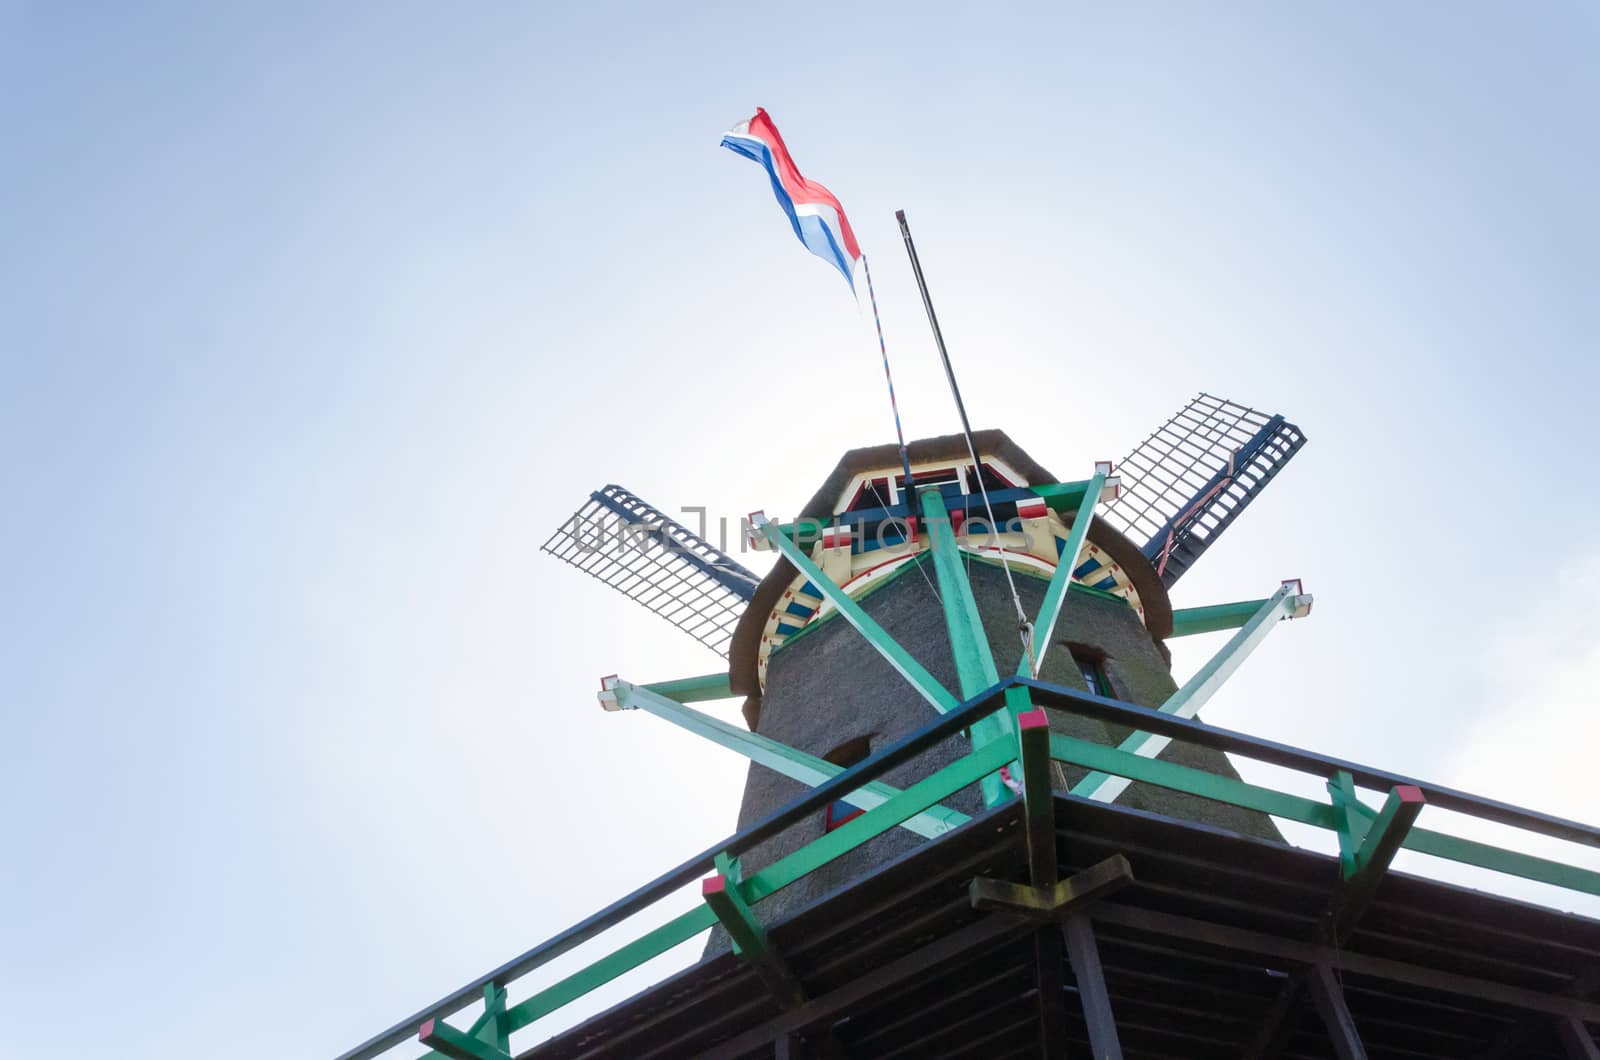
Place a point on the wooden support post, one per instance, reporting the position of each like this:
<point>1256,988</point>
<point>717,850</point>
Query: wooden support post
<point>1328,996</point>
<point>1364,870</point>
<point>1048,958</point>
<point>1085,956</point>
<point>750,940</point>
<point>1039,804</point>
<point>916,965</point>
<point>789,1046</point>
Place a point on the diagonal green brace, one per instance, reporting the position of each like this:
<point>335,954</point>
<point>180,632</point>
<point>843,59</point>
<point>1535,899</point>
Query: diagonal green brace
<point>749,937</point>
<point>778,757</point>
<point>1056,594</point>
<point>492,1027</point>
<point>968,643</point>
<point>1352,819</point>
<point>914,672</point>
<point>1385,834</point>
<point>457,1045</point>
<point>693,689</point>
<point>1188,621</point>
<point>1186,702</point>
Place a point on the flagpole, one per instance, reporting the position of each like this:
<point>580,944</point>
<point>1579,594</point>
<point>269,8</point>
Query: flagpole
<point>905,458</point>
<point>1025,628</point>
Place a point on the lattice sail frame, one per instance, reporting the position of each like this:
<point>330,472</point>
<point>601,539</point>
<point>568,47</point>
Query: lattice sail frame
<point>654,560</point>
<point>1186,482</point>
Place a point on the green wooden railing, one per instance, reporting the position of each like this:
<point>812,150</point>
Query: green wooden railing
<point>1360,830</point>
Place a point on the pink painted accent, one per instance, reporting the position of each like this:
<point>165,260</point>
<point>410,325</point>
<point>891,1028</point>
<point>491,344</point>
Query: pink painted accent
<point>426,1032</point>
<point>1034,719</point>
<point>717,884</point>
<point>1410,793</point>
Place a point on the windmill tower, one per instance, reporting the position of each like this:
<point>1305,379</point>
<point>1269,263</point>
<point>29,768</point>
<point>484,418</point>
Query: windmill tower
<point>982,820</point>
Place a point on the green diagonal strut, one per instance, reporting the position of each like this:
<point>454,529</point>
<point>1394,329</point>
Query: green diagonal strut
<point>974,663</point>
<point>887,646</point>
<point>778,757</point>
<point>1061,580</point>
<point>1187,701</point>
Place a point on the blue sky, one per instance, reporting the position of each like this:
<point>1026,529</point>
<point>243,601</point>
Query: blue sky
<point>317,319</point>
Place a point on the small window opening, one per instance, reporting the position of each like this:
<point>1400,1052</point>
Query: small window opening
<point>846,754</point>
<point>993,480</point>
<point>1091,663</point>
<point>945,476</point>
<point>873,493</point>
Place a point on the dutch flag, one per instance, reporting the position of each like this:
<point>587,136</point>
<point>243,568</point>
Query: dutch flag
<point>817,217</point>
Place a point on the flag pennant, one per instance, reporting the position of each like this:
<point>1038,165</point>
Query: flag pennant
<point>816,215</point>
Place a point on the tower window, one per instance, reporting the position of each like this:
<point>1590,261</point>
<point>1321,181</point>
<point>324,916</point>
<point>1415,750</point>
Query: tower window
<point>846,754</point>
<point>1091,664</point>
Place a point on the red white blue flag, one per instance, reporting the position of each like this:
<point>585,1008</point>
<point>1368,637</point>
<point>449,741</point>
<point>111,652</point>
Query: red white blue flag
<point>816,215</point>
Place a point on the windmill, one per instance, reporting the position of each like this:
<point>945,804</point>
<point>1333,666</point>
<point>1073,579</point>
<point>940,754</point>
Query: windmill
<point>1192,477</point>
<point>981,818</point>
<point>962,837</point>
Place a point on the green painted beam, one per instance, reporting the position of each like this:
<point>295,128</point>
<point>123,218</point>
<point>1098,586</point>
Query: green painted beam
<point>1055,594</point>
<point>1318,814</point>
<point>974,663</point>
<point>1510,862</point>
<point>445,1040</point>
<point>1064,496</point>
<point>693,689</point>
<point>914,672</point>
<point>778,757</point>
<point>913,800</point>
<point>969,644</point>
<point>1385,832</point>
<point>1187,701</point>
<point>966,770</point>
<point>748,935</point>
<point>1122,763</point>
<point>678,930</point>
<point>1188,621</point>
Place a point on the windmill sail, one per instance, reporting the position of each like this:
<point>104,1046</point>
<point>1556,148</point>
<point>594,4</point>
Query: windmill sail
<point>1190,479</point>
<point>652,559</point>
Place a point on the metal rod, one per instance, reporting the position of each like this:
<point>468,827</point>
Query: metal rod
<point>894,406</point>
<point>966,425</point>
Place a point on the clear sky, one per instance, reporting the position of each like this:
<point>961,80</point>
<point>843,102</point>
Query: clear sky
<point>315,319</point>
